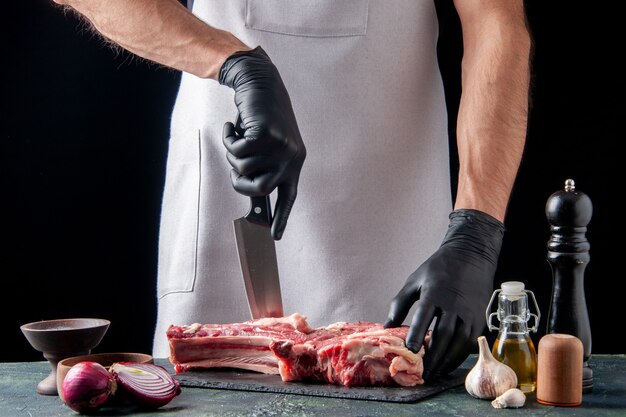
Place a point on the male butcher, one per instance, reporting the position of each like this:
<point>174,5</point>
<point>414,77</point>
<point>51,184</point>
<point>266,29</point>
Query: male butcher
<point>358,83</point>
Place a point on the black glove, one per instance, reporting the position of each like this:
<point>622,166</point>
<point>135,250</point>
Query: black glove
<point>265,149</point>
<point>454,285</point>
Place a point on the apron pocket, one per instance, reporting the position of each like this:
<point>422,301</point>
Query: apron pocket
<point>315,18</point>
<point>178,236</point>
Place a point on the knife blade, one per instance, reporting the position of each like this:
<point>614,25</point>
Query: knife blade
<point>257,257</point>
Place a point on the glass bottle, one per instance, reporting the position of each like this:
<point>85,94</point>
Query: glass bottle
<point>513,345</point>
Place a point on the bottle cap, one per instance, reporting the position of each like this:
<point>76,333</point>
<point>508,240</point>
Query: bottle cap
<point>512,288</point>
<point>560,370</point>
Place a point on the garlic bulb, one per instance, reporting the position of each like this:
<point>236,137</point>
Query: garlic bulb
<point>513,398</point>
<point>489,378</point>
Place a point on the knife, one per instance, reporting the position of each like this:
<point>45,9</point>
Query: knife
<point>257,254</point>
<point>257,257</point>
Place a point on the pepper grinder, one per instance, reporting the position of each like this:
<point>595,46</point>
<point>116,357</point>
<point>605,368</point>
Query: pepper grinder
<point>569,212</point>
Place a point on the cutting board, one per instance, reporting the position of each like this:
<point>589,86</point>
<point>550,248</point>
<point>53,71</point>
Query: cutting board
<point>253,381</point>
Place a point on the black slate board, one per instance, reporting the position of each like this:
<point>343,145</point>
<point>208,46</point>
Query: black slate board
<point>253,381</point>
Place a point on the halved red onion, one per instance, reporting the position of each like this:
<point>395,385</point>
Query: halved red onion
<point>149,385</point>
<point>87,386</point>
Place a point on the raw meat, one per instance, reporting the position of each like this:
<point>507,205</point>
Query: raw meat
<point>350,354</point>
<point>236,345</point>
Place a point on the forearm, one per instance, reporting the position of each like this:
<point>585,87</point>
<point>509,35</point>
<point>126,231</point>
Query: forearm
<point>162,31</point>
<point>493,112</point>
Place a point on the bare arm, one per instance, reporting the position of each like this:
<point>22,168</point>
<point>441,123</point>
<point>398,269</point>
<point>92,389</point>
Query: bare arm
<point>162,31</point>
<point>493,112</point>
<point>454,284</point>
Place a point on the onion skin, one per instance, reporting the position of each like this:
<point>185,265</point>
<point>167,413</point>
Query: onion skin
<point>87,386</point>
<point>145,384</point>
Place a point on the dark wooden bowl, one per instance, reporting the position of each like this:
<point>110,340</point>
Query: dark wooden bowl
<point>63,338</point>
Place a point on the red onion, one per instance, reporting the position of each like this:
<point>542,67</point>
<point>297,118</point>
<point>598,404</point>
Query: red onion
<point>148,385</point>
<point>87,386</point>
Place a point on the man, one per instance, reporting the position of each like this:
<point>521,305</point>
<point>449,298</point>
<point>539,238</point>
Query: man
<point>357,82</point>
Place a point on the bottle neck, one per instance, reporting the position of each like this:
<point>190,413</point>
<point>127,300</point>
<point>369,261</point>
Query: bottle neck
<point>510,327</point>
<point>513,314</point>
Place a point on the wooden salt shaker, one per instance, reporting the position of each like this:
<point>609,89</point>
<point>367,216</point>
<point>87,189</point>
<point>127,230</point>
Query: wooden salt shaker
<point>560,370</point>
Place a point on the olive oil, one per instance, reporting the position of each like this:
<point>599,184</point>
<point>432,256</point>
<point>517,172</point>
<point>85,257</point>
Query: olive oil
<point>513,345</point>
<point>519,354</point>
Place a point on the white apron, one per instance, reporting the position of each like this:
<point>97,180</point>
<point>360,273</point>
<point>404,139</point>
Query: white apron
<point>374,193</point>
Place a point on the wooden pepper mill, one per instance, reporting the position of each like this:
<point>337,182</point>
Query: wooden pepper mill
<point>569,212</point>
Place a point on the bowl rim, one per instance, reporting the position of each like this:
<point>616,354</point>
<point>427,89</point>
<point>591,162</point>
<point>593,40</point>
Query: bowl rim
<point>31,326</point>
<point>145,357</point>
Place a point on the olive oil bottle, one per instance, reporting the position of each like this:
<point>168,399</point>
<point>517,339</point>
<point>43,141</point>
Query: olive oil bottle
<point>513,345</point>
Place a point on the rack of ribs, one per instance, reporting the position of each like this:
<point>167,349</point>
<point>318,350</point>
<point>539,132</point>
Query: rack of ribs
<point>350,354</point>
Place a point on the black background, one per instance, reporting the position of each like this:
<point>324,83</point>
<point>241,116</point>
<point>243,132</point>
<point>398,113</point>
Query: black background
<point>83,145</point>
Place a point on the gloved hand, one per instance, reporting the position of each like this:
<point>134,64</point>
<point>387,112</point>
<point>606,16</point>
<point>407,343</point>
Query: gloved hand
<point>454,286</point>
<point>265,149</point>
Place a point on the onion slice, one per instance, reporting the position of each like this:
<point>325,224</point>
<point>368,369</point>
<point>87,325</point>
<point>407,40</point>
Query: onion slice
<point>147,384</point>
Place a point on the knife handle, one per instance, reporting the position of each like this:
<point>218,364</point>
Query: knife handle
<point>260,210</point>
<point>260,207</point>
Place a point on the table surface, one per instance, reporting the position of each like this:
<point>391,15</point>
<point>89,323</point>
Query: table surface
<point>19,380</point>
